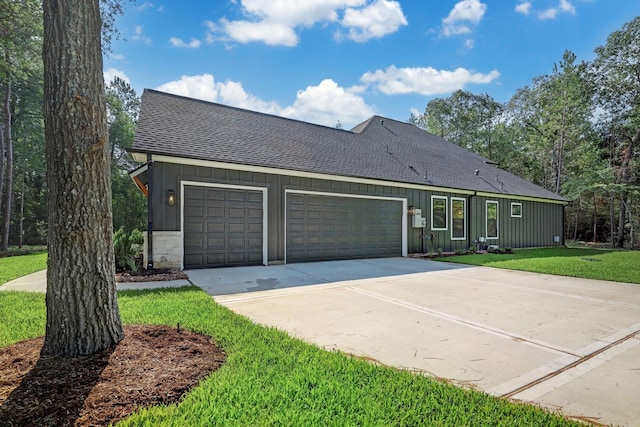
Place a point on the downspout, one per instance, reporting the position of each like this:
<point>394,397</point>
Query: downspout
<point>564,213</point>
<point>150,212</point>
<point>468,218</point>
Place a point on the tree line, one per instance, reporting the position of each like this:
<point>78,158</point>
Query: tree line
<point>574,131</point>
<point>23,189</point>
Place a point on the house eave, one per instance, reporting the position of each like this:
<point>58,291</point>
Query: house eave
<point>141,156</point>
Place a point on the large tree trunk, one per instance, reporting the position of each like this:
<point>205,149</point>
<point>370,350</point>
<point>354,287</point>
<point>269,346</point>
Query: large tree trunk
<point>8,146</point>
<point>82,308</point>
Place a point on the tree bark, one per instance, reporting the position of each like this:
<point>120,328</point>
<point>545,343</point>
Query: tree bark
<point>8,145</point>
<point>82,308</point>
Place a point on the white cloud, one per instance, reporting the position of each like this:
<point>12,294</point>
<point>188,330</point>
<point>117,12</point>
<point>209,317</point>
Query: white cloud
<point>138,36</point>
<point>178,42</point>
<point>464,14</point>
<point>270,33</point>
<point>469,44</point>
<point>374,21</point>
<point>424,81</point>
<point>564,6</point>
<point>524,8</point>
<point>110,73</point>
<point>550,13</point>
<point>323,104</point>
<point>144,6</point>
<point>206,88</point>
<point>275,22</point>
<point>328,103</point>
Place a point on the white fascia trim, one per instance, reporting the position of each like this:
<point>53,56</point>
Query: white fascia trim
<point>524,198</point>
<point>301,174</point>
<point>405,237</point>
<point>264,190</point>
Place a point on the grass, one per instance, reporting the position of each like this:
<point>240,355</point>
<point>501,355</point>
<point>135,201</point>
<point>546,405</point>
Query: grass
<point>617,266</point>
<point>13,267</point>
<point>271,379</point>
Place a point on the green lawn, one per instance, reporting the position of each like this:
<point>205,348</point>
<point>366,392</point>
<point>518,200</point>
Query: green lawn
<point>270,379</point>
<point>618,266</point>
<point>17,266</point>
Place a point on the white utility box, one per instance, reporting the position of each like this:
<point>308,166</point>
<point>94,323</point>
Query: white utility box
<point>416,220</point>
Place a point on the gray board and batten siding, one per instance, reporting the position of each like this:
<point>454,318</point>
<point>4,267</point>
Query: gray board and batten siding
<point>251,188</point>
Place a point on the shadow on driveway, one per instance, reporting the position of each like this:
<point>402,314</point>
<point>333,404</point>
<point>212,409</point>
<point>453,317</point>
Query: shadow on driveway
<point>234,280</point>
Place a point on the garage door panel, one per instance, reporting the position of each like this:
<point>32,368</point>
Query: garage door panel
<point>210,193</point>
<point>333,227</point>
<point>222,227</point>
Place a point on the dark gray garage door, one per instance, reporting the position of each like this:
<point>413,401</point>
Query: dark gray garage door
<point>222,227</point>
<point>327,228</point>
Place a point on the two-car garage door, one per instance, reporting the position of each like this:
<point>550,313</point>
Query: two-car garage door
<point>225,226</point>
<point>327,227</point>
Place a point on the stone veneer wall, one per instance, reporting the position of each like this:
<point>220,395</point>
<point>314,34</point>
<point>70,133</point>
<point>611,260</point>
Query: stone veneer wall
<point>167,249</point>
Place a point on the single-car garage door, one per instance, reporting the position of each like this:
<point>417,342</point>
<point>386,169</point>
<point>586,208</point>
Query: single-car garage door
<point>324,227</point>
<point>222,227</point>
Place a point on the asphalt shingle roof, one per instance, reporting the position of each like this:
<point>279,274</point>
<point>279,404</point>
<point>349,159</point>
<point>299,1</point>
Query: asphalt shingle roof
<point>378,148</point>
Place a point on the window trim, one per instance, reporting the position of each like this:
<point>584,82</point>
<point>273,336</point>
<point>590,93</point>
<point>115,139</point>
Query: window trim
<point>513,204</point>
<point>486,220</point>
<point>446,212</point>
<point>464,217</point>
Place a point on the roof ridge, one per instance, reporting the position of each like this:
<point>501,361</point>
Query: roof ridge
<point>245,110</point>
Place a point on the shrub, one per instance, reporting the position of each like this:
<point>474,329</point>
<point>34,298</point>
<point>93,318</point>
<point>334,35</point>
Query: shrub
<point>126,246</point>
<point>473,249</point>
<point>439,251</point>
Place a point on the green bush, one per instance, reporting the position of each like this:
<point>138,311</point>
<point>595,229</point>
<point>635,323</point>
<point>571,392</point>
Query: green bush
<point>126,246</point>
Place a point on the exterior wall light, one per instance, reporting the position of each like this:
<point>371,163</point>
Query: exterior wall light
<point>171,197</point>
<point>412,210</point>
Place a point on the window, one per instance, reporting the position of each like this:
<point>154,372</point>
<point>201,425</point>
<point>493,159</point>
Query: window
<point>516,210</point>
<point>492,220</point>
<point>438,213</point>
<point>458,218</point>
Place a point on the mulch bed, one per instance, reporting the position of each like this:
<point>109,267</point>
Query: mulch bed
<point>152,365</point>
<point>153,275</point>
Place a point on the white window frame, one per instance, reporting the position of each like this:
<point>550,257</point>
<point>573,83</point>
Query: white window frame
<point>464,217</point>
<point>446,212</point>
<point>516,204</point>
<point>486,220</point>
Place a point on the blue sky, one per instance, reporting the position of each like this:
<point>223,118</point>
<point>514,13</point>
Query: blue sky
<point>325,61</point>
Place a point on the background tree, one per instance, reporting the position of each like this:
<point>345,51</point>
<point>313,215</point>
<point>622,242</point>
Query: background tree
<point>20,30</point>
<point>129,204</point>
<point>616,71</point>
<point>466,119</point>
<point>82,309</point>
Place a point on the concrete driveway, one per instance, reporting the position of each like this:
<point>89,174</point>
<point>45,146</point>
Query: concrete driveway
<point>567,344</point>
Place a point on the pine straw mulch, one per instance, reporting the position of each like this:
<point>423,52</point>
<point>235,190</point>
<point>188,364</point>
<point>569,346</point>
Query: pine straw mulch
<point>152,275</point>
<point>152,365</point>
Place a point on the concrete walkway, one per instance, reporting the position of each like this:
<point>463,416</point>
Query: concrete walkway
<point>37,282</point>
<point>568,344</point>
